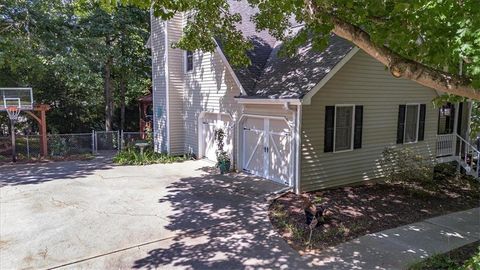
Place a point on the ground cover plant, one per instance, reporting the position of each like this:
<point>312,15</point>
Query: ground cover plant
<point>463,258</point>
<point>132,156</point>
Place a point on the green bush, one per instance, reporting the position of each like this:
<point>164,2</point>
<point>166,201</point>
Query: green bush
<point>405,165</point>
<point>131,156</point>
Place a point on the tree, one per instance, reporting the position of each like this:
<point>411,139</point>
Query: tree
<point>70,52</point>
<point>433,42</point>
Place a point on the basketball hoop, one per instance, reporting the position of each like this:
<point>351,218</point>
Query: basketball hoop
<point>13,113</point>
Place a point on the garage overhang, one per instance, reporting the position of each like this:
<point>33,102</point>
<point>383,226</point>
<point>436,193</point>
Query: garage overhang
<point>292,101</point>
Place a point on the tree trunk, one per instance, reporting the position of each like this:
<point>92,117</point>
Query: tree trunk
<point>108,93</point>
<point>123,90</point>
<point>398,65</point>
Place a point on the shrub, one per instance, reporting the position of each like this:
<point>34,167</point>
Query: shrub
<point>131,156</point>
<point>405,165</point>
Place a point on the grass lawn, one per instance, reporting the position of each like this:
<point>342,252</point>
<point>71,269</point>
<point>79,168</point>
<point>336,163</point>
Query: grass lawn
<point>358,210</point>
<point>463,258</point>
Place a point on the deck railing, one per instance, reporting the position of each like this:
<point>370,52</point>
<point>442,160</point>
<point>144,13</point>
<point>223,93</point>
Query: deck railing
<point>454,147</point>
<point>446,144</point>
<point>469,156</point>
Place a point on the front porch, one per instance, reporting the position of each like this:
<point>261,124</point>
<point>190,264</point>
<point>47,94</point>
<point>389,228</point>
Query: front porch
<point>453,147</point>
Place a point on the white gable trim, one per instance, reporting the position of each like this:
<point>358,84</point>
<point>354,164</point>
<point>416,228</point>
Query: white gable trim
<point>307,99</point>
<point>230,69</point>
<point>292,101</point>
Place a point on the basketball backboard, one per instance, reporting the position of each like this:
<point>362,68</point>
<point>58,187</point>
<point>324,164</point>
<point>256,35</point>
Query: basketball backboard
<point>16,97</point>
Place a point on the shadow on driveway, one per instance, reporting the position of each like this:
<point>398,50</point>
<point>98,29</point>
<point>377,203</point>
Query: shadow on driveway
<point>37,173</point>
<point>222,224</point>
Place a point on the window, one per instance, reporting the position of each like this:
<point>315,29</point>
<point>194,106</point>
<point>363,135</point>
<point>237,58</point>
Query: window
<point>343,128</point>
<point>188,61</point>
<point>411,123</point>
<point>446,116</point>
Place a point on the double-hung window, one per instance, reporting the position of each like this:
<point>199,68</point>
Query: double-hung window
<point>343,128</point>
<point>411,123</point>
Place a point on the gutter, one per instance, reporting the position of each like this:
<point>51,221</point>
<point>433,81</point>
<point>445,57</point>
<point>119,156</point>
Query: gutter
<point>292,101</point>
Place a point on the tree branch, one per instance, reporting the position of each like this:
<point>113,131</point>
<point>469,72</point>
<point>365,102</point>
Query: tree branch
<point>398,65</point>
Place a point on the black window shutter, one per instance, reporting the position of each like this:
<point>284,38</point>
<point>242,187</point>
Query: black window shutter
<point>421,122</point>
<point>329,128</point>
<point>459,124</point>
<point>357,139</point>
<point>400,124</point>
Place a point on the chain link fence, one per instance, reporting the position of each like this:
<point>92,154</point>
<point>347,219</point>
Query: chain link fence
<point>64,145</point>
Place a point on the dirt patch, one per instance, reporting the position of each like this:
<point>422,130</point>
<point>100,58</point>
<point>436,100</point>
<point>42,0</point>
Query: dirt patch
<point>358,210</point>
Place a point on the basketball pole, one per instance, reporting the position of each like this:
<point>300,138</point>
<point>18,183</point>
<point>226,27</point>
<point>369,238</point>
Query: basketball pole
<point>14,152</point>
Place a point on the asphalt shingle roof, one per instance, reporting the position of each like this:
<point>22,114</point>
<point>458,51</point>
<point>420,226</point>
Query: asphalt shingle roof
<point>274,77</point>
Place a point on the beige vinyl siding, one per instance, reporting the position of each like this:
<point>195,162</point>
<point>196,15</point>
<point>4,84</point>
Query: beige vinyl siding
<point>159,84</point>
<point>210,87</point>
<point>362,81</point>
<point>175,90</point>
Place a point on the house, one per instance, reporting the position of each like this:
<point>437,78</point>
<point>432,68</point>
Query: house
<point>312,121</point>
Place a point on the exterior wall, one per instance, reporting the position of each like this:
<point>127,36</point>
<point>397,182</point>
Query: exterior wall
<point>159,79</point>
<point>176,86</point>
<point>361,81</point>
<point>208,88</point>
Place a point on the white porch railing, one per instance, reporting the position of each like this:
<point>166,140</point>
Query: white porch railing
<point>459,149</point>
<point>446,145</point>
<point>469,157</point>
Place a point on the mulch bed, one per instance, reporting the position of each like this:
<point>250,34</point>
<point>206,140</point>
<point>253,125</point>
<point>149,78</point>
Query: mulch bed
<point>358,210</point>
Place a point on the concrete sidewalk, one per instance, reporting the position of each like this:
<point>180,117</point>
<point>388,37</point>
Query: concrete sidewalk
<point>400,247</point>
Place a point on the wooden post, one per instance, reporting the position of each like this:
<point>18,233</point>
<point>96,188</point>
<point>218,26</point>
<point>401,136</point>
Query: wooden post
<point>43,133</point>
<point>41,119</point>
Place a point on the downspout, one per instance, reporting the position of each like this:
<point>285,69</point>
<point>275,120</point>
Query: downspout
<point>297,118</point>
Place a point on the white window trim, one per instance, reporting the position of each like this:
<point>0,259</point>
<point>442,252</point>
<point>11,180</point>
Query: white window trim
<point>335,128</point>
<point>405,123</point>
<point>185,62</point>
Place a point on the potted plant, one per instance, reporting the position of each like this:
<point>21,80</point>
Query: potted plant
<point>223,158</point>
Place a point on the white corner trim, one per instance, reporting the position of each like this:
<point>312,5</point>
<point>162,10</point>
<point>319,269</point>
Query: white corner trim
<point>167,90</point>
<point>307,99</point>
<point>266,101</point>
<point>230,69</point>
<point>298,150</point>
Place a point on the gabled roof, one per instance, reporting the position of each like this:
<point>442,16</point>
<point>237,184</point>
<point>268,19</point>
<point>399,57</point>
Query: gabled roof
<point>274,77</point>
<point>263,44</point>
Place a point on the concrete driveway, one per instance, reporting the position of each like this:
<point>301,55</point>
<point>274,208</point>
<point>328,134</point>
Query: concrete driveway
<point>92,215</point>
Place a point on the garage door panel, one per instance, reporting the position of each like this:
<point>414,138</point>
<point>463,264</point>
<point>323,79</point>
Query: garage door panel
<point>279,157</point>
<point>209,144</point>
<point>267,148</point>
<point>253,152</point>
<point>211,122</point>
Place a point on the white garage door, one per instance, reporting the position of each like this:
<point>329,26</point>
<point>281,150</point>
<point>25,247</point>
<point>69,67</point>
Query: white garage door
<point>267,149</point>
<point>210,123</point>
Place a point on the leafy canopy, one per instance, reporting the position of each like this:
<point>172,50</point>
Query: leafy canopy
<point>437,33</point>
